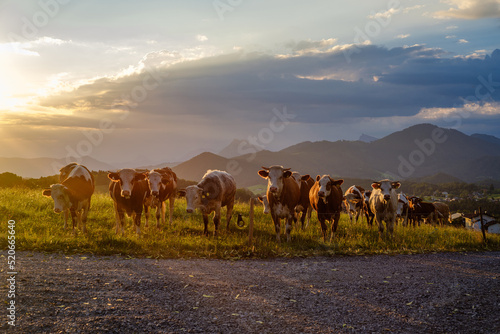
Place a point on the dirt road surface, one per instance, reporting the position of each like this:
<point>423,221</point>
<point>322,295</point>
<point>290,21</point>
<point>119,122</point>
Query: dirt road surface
<point>427,293</point>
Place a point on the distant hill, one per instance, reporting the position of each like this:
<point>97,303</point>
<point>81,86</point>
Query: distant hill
<point>487,138</point>
<point>419,151</point>
<point>238,147</point>
<point>366,138</point>
<point>438,178</point>
<point>38,167</point>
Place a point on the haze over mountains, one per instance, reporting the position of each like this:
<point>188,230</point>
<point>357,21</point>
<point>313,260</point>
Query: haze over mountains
<point>419,151</point>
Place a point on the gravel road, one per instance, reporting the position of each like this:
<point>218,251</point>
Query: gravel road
<point>428,293</point>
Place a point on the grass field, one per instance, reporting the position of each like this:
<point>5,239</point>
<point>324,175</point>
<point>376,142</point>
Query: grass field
<point>38,228</point>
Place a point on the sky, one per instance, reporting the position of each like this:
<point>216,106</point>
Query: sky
<point>161,81</point>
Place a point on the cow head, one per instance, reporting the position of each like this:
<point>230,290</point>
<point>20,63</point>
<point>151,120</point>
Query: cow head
<point>60,195</point>
<point>275,176</point>
<point>127,178</point>
<point>326,183</point>
<point>156,181</point>
<point>265,202</point>
<point>195,198</point>
<point>386,187</point>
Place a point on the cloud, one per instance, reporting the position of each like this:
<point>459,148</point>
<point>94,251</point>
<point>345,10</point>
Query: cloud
<point>471,9</point>
<point>214,99</point>
<point>201,38</point>
<point>403,36</point>
<point>463,41</point>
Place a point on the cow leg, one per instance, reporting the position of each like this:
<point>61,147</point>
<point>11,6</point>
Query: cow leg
<point>85,212</point>
<point>171,209</point>
<point>120,216</point>
<point>136,216</point>
<point>229,214</point>
<point>380,225</point>
<point>303,219</point>
<point>74,218</point>
<point>66,216</point>
<point>217,219</point>
<point>160,213</point>
<point>323,226</point>
<point>335,223</point>
<point>147,208</point>
<point>277,228</point>
<point>205,222</point>
<point>288,227</point>
<point>309,212</point>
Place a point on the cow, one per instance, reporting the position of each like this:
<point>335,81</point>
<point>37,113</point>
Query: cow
<point>420,210</point>
<point>368,213</point>
<point>72,195</point>
<point>162,186</point>
<point>305,183</point>
<point>355,202</point>
<point>128,189</point>
<point>383,204</point>
<point>326,198</point>
<point>402,211</point>
<point>443,212</point>
<point>283,194</point>
<point>215,190</point>
<point>265,203</point>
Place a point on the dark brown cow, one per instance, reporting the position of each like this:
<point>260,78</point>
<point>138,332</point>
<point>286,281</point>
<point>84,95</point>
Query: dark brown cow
<point>420,210</point>
<point>162,186</point>
<point>72,195</point>
<point>215,190</point>
<point>128,189</point>
<point>305,183</point>
<point>370,216</point>
<point>326,198</point>
<point>283,195</point>
<point>443,212</point>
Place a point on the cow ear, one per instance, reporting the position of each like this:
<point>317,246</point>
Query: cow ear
<point>375,185</point>
<point>140,176</point>
<point>318,178</point>
<point>260,198</point>
<point>114,176</point>
<point>263,173</point>
<point>47,192</point>
<point>287,173</point>
<point>164,180</point>
<point>396,184</point>
<point>305,177</point>
<point>338,182</point>
<point>181,193</point>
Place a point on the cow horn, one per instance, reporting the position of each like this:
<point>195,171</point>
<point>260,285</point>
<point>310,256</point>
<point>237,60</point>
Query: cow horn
<point>266,168</point>
<point>285,169</point>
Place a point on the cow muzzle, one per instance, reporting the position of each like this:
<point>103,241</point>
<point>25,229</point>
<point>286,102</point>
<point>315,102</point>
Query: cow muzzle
<point>387,197</point>
<point>273,190</point>
<point>57,210</point>
<point>156,193</point>
<point>189,210</point>
<point>126,194</point>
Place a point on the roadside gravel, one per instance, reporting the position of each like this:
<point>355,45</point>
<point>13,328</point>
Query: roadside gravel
<point>426,293</point>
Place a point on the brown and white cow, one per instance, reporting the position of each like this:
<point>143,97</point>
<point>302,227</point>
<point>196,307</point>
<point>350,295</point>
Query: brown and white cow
<point>384,203</point>
<point>162,186</point>
<point>215,190</point>
<point>326,198</point>
<point>72,195</point>
<point>128,189</point>
<point>368,213</point>
<point>443,212</point>
<point>283,194</point>
<point>305,183</point>
<point>355,202</point>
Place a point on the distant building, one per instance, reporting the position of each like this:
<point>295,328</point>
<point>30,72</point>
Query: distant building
<point>491,224</point>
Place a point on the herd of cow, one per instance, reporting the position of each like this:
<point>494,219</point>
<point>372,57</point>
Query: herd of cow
<point>288,194</point>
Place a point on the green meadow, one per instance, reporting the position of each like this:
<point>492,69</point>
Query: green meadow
<point>38,228</point>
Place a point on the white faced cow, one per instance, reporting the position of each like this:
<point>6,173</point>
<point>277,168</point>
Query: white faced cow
<point>326,198</point>
<point>215,190</point>
<point>383,204</point>
<point>283,194</point>
<point>265,203</point>
<point>128,189</point>
<point>162,186</point>
<point>72,194</point>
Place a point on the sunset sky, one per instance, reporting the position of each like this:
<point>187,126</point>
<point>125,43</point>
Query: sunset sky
<point>164,80</point>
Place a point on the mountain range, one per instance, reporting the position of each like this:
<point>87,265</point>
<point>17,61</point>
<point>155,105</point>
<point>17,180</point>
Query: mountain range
<point>416,152</point>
